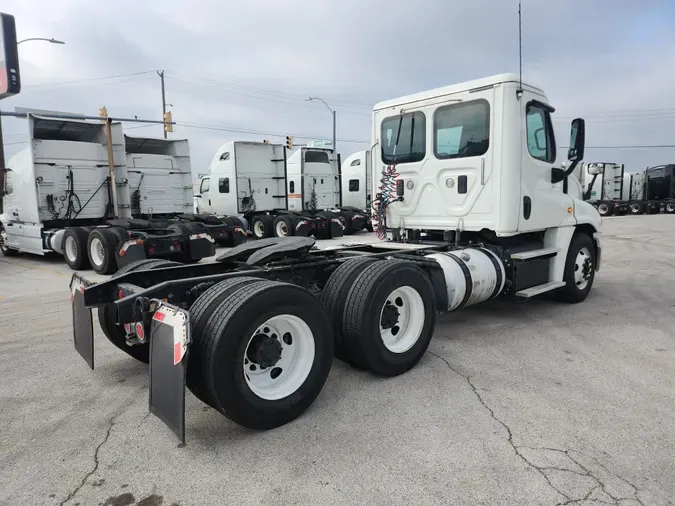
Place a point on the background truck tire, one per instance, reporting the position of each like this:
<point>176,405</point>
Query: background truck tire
<point>334,299</point>
<point>283,226</point>
<point>101,250</point>
<point>605,208</point>
<point>75,248</point>
<point>636,208</point>
<point>394,294</point>
<point>200,311</point>
<point>107,316</point>
<point>248,316</point>
<point>6,251</point>
<point>669,207</point>
<point>577,262</point>
<point>262,226</point>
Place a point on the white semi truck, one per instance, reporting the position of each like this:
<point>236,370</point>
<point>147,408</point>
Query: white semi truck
<point>473,207</point>
<point>613,191</point>
<point>255,183</point>
<point>103,199</point>
<point>356,178</point>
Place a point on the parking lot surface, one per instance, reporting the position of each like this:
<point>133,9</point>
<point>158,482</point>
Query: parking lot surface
<point>515,403</point>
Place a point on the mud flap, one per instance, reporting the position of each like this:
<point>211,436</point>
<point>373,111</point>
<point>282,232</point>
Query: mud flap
<point>302,228</point>
<point>169,340</point>
<point>83,329</point>
<point>201,246</point>
<point>336,228</point>
<point>129,251</point>
<point>358,222</point>
<point>238,236</point>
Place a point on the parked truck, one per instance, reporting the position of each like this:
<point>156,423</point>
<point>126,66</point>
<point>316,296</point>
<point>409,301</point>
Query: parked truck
<point>613,191</point>
<point>255,184</point>
<point>254,334</point>
<point>357,184</point>
<point>103,199</point>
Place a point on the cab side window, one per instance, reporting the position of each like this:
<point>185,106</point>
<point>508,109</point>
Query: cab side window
<point>206,184</point>
<point>540,138</point>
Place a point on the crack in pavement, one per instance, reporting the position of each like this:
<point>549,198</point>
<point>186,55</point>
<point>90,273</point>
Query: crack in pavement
<point>506,427</point>
<point>542,470</point>
<point>72,494</point>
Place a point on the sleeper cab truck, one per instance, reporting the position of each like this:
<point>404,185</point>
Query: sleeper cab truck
<point>246,183</point>
<point>356,179</point>
<point>58,197</point>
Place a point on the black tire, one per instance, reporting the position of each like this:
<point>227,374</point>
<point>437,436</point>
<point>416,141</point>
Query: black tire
<point>226,338</point>
<point>107,316</point>
<point>653,208</point>
<point>284,221</point>
<point>605,208</point>
<point>361,321</point>
<point>570,292</point>
<point>5,250</point>
<point>200,312</point>
<point>669,208</point>
<point>334,298</point>
<point>262,226</point>
<point>80,237</point>
<point>120,233</point>
<point>636,208</point>
<point>108,240</point>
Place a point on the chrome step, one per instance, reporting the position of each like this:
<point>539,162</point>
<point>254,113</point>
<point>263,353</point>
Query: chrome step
<point>535,253</point>
<point>539,289</point>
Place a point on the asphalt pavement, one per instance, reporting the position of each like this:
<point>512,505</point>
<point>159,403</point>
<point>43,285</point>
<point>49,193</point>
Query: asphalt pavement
<point>529,403</point>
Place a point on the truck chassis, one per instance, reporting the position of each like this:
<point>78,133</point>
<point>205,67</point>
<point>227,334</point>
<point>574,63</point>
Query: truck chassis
<point>253,335</point>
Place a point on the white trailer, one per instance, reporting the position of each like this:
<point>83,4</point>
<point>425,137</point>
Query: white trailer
<point>611,190</point>
<point>314,185</point>
<point>247,181</point>
<point>103,200</point>
<point>473,207</point>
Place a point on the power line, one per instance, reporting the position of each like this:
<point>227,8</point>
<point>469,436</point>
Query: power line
<point>260,132</point>
<point>103,78</point>
<point>259,91</point>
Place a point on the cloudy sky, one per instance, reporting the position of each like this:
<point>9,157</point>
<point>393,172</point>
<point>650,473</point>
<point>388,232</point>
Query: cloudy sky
<point>242,70</point>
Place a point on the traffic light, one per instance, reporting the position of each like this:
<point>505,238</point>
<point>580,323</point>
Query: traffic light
<point>168,127</point>
<point>289,141</point>
<point>103,112</point>
<point>266,141</point>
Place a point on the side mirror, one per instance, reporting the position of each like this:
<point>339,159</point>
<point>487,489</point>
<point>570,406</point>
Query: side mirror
<point>557,175</point>
<point>540,139</point>
<point>577,140</point>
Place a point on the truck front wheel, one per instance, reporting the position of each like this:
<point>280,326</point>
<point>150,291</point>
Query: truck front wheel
<point>579,269</point>
<point>389,317</point>
<point>4,249</point>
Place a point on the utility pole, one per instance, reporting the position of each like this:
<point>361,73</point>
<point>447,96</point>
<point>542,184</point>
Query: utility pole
<point>161,77</point>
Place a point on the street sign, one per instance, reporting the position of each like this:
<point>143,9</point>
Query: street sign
<point>10,81</point>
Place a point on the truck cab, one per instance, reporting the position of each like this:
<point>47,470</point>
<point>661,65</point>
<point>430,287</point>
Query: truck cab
<point>357,180</point>
<point>313,170</point>
<point>474,156</point>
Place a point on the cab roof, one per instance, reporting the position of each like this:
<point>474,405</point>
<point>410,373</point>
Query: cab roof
<point>456,88</point>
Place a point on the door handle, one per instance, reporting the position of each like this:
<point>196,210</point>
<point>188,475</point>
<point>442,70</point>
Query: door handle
<point>209,201</point>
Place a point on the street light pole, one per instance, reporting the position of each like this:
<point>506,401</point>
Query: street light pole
<point>333,113</point>
<point>51,41</point>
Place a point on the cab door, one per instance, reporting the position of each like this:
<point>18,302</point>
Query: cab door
<point>203,198</point>
<point>543,204</point>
